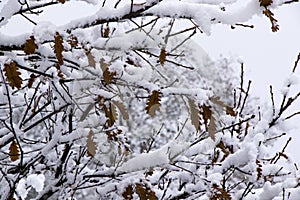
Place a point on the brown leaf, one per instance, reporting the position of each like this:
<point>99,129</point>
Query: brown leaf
<point>258,169</point>
<point>194,112</point>
<point>31,80</point>
<point>212,128</point>
<point>106,32</point>
<point>128,193</point>
<point>108,76</point>
<point>73,41</point>
<point>90,144</point>
<point>58,48</point>
<point>13,151</point>
<point>219,193</point>
<point>265,3</point>
<point>61,1</point>
<point>153,103</point>
<point>30,46</point>
<point>230,111</point>
<point>162,56</point>
<point>13,75</point>
<point>111,114</point>
<point>91,59</point>
<point>122,109</point>
<point>144,193</point>
<point>206,114</point>
<point>270,15</point>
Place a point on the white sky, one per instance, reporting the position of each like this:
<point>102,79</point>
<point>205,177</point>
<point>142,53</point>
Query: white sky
<point>269,57</point>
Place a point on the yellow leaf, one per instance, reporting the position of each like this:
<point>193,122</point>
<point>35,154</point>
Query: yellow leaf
<point>90,144</point>
<point>13,151</point>
<point>30,46</point>
<point>162,56</point>
<point>13,75</point>
<point>58,48</point>
<point>153,103</point>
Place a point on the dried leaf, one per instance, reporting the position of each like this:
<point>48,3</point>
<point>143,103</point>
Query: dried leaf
<point>111,114</point>
<point>13,151</point>
<point>30,46</point>
<point>58,48</point>
<point>153,103</point>
<point>73,41</point>
<point>103,65</point>
<point>270,15</point>
<point>122,109</point>
<point>128,193</point>
<point>106,32</point>
<point>206,114</point>
<point>108,76</point>
<point>230,111</point>
<point>91,59</point>
<point>195,119</point>
<point>212,128</point>
<point>31,80</point>
<point>265,3</point>
<point>144,193</point>
<point>162,56</point>
<point>61,1</point>
<point>13,75</point>
<point>90,144</point>
<point>219,193</point>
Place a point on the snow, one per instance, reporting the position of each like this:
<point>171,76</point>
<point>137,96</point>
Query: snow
<point>36,181</point>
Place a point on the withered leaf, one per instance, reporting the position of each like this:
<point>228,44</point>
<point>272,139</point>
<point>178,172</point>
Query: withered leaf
<point>144,193</point>
<point>128,193</point>
<point>58,48</point>
<point>13,151</point>
<point>108,76</point>
<point>91,59</point>
<point>90,144</point>
<point>31,80</point>
<point>195,119</point>
<point>265,3</point>
<point>111,114</point>
<point>122,109</point>
<point>61,1</point>
<point>13,75</point>
<point>153,103</point>
<point>230,111</point>
<point>270,15</point>
<point>206,114</point>
<point>258,169</point>
<point>212,128</point>
<point>30,46</point>
<point>162,56</point>
<point>73,41</point>
<point>106,32</point>
<point>219,193</point>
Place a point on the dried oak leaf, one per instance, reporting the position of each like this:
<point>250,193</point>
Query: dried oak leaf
<point>58,48</point>
<point>122,109</point>
<point>219,193</point>
<point>194,112</point>
<point>90,144</point>
<point>265,3</point>
<point>128,193</point>
<point>30,46</point>
<point>144,193</point>
<point>209,120</point>
<point>91,59</point>
<point>61,1</point>
<point>153,103</point>
<point>13,75</point>
<point>13,151</point>
<point>111,114</point>
<point>162,56</point>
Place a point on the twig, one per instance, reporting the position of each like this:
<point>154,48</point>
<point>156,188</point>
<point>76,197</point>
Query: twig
<point>272,99</point>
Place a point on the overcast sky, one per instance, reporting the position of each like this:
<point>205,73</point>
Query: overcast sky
<point>269,57</point>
